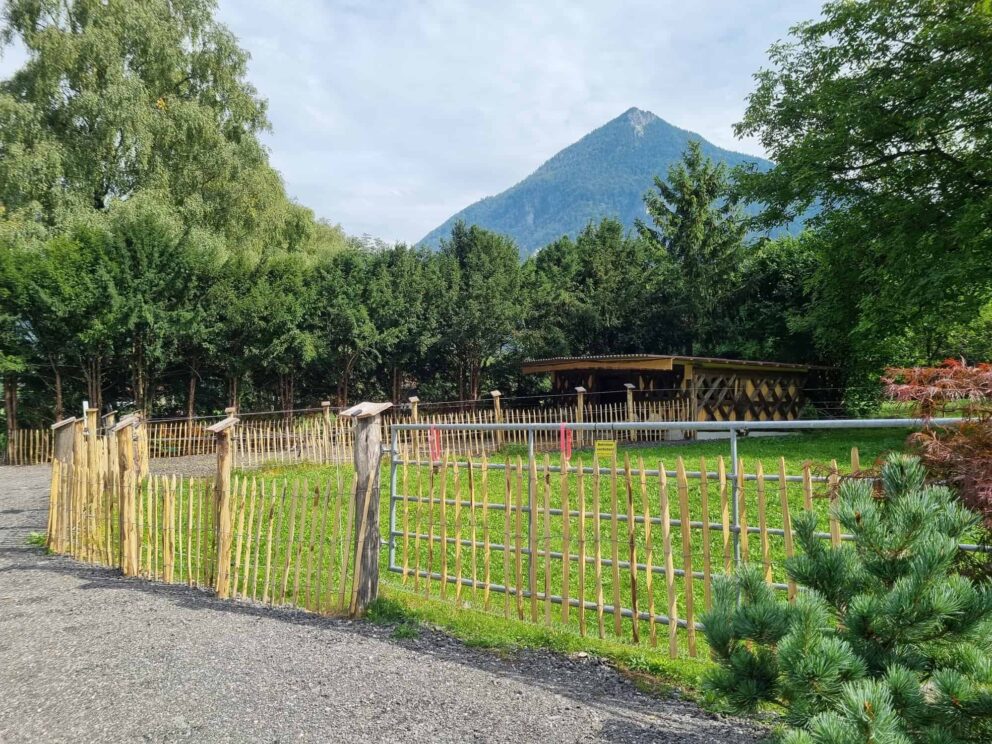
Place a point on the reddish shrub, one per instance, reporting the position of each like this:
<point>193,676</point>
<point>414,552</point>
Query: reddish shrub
<point>961,454</point>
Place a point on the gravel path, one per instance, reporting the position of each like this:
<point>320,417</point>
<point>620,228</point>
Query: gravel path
<point>86,655</point>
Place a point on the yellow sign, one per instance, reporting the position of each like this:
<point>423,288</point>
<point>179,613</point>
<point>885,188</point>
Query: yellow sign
<point>606,449</point>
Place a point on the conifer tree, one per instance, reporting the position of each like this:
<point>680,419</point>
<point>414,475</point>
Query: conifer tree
<point>885,642</point>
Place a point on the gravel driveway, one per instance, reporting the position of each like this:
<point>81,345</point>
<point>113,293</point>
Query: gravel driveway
<point>86,655</point>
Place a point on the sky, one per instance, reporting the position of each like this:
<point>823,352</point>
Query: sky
<point>388,116</point>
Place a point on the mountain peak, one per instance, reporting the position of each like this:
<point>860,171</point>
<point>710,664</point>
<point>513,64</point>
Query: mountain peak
<point>604,174</point>
<point>639,119</point>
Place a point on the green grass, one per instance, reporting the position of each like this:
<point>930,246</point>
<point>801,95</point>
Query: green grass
<point>37,540</point>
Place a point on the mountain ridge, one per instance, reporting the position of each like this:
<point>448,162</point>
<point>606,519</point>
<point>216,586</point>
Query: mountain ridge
<point>603,174</point>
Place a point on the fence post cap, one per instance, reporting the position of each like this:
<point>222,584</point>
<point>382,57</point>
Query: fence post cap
<point>629,385</point>
<point>111,412</point>
<point>580,389</point>
<point>495,393</point>
<point>129,420</point>
<point>231,410</point>
<point>365,409</point>
<point>223,425</point>
<point>64,422</point>
<point>325,404</point>
<point>413,399</point>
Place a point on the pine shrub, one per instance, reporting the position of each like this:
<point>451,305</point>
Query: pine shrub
<point>885,641</point>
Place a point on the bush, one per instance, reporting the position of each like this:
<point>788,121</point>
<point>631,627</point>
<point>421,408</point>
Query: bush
<point>885,641</point>
<point>962,454</point>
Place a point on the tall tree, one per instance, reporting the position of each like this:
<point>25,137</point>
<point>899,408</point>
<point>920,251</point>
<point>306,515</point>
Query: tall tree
<point>485,267</point>
<point>880,115</point>
<point>699,230</point>
<point>116,97</point>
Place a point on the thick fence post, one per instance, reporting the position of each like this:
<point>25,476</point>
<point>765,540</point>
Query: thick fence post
<point>630,409</point>
<point>367,452</point>
<point>580,412</point>
<point>222,499</point>
<point>62,433</point>
<point>497,415</point>
<point>126,434</point>
<point>325,410</point>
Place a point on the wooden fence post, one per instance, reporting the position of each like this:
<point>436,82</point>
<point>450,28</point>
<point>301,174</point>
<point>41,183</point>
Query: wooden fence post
<point>61,471</point>
<point>414,408</point>
<point>367,452</point>
<point>580,412</point>
<point>631,417</point>
<point>325,410</point>
<point>126,434</point>
<point>222,500</point>
<point>498,415</point>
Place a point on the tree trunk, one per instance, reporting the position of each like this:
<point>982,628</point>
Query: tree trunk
<point>191,395</point>
<point>232,390</point>
<point>343,381</point>
<point>475,375</point>
<point>93,372</point>
<point>59,408</point>
<point>10,402</point>
<point>286,395</point>
<point>396,384</point>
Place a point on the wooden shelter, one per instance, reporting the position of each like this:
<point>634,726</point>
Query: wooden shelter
<point>716,389</point>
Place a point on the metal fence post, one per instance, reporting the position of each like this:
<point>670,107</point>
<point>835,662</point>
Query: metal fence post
<point>734,506</point>
<point>531,511</point>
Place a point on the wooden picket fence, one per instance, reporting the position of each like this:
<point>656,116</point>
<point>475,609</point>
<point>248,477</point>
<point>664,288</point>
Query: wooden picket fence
<point>276,540</point>
<point>616,549</point>
<point>29,446</point>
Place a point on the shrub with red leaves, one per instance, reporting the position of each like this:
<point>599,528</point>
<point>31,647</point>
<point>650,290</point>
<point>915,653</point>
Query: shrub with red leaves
<point>961,454</point>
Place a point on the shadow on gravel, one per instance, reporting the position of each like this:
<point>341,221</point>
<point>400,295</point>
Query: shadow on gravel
<point>627,713</point>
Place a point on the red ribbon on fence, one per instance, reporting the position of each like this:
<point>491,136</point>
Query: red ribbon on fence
<point>565,443</point>
<point>434,440</point>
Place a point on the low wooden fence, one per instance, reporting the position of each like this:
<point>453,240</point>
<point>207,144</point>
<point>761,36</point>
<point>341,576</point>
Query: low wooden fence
<point>322,437</point>
<point>278,540</point>
<point>29,446</point>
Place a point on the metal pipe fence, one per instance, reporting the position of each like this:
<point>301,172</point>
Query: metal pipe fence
<point>601,538</point>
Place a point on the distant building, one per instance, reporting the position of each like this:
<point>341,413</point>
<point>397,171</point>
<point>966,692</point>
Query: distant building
<point>714,389</point>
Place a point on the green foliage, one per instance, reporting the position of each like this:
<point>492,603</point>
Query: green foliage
<point>885,641</point>
<point>879,114</point>
<point>701,235</point>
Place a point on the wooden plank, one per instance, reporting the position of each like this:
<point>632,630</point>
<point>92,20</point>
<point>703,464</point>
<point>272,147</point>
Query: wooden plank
<point>807,486</point>
<point>486,556</point>
<point>598,541</point>
<point>532,487</point>
<point>615,547</point>
<point>631,548</point>
<point>833,482</point>
<point>783,495</point>
<point>666,539</point>
<point>472,530</point>
<point>507,504</point>
<point>322,541</point>
<point>683,488</point>
<point>766,559</point>
<point>742,513</point>
<point>704,509</point>
<point>290,542</point>
<point>251,545</point>
<point>458,533</point>
<point>648,553</point>
<point>443,519</point>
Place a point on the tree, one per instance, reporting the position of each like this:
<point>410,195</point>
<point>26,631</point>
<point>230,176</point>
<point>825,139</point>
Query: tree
<point>885,641</point>
<point>700,232</point>
<point>879,115</point>
<point>485,269</point>
<point>116,97</point>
